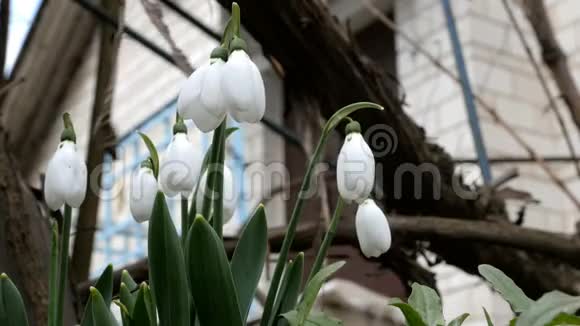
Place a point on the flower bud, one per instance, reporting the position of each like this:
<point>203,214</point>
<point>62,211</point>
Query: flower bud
<point>243,87</point>
<point>372,229</point>
<point>201,99</point>
<point>180,167</point>
<point>143,191</point>
<point>355,168</point>
<point>66,177</point>
<point>229,194</point>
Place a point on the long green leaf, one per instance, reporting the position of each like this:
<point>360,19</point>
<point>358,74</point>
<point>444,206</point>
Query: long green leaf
<point>97,313</point>
<point>506,287</point>
<point>412,316</point>
<point>212,284</point>
<point>459,320</point>
<point>105,285</point>
<point>127,298</point>
<point>53,277</point>
<point>141,315</point>
<point>248,259</point>
<point>125,314</point>
<point>487,318</point>
<point>312,289</point>
<point>129,282</point>
<point>289,288</point>
<point>315,319</point>
<point>547,308</point>
<point>12,311</point>
<point>427,303</point>
<point>565,319</point>
<point>267,316</point>
<point>167,267</point>
<point>152,153</point>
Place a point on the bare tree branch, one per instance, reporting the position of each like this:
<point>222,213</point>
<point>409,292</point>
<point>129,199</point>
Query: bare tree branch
<point>551,100</point>
<point>483,104</point>
<point>155,14</point>
<point>102,139</point>
<point>553,55</point>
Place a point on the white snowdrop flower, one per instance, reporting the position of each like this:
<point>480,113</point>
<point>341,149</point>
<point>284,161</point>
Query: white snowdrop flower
<point>66,174</point>
<point>180,166</point>
<point>372,229</point>
<point>355,168</point>
<point>229,193</point>
<point>142,193</point>
<point>242,85</point>
<point>66,177</point>
<point>200,98</point>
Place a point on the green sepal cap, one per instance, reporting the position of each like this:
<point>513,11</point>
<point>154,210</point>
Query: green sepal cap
<point>238,43</point>
<point>219,53</point>
<point>179,126</point>
<point>68,133</point>
<point>352,126</point>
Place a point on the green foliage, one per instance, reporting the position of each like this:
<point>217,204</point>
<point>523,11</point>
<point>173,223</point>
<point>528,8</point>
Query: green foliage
<point>249,258</point>
<point>487,318</point>
<point>506,287</point>
<point>548,308</point>
<point>12,311</point>
<point>289,288</point>
<point>105,285</point>
<point>152,153</point>
<point>167,267</point>
<point>565,319</point>
<point>97,312</point>
<point>412,316</point>
<point>314,319</point>
<point>459,320</point>
<point>427,303</point>
<point>212,284</point>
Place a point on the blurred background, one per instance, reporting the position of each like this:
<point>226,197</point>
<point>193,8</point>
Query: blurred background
<point>484,92</point>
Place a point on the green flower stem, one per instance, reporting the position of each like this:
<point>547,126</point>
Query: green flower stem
<point>218,195</point>
<point>219,133</point>
<point>184,219</point>
<point>53,277</point>
<point>267,316</point>
<point>63,269</point>
<point>236,18</point>
<point>327,239</point>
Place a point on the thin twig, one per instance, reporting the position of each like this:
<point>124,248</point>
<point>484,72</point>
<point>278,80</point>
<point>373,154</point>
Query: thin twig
<point>155,14</point>
<point>483,104</point>
<point>552,102</point>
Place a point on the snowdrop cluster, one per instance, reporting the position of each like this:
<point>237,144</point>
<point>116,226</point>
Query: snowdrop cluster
<point>66,174</point>
<point>229,84</point>
<point>355,175</point>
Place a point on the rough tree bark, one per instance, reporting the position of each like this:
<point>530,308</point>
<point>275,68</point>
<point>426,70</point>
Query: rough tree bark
<point>553,55</point>
<point>25,239</point>
<point>321,62</point>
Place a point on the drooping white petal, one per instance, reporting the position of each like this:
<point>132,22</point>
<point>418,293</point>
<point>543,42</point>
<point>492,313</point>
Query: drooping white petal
<point>372,229</point>
<point>243,88</point>
<point>229,193</point>
<point>180,167</point>
<point>355,168</point>
<point>142,194</point>
<point>66,177</point>
<point>206,113</point>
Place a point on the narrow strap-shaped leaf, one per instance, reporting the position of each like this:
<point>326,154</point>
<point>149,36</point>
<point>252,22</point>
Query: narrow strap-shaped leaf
<point>506,287</point>
<point>152,153</point>
<point>129,282</point>
<point>141,314</point>
<point>248,259</point>
<point>105,285</point>
<point>212,284</point>
<point>427,303</point>
<point>459,320</point>
<point>565,319</point>
<point>126,298</point>
<point>412,316</point>
<point>125,314</point>
<point>547,308</point>
<point>97,313</point>
<point>167,267</point>
<point>289,288</point>
<point>488,318</point>
<point>312,289</point>
<point>12,311</point>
